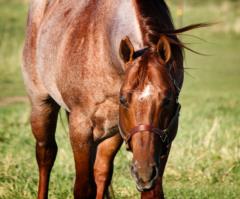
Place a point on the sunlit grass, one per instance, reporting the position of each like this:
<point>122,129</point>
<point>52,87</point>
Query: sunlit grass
<point>12,23</point>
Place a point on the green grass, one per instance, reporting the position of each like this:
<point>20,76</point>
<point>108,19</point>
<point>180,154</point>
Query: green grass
<point>205,157</point>
<point>12,22</point>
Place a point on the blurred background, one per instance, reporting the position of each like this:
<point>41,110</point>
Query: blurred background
<point>205,158</point>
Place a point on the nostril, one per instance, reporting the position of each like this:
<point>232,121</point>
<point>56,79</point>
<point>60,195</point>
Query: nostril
<point>154,173</point>
<point>145,177</point>
<point>133,169</point>
<point>144,174</point>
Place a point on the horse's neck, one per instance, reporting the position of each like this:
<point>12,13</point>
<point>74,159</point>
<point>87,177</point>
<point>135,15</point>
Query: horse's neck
<point>124,23</point>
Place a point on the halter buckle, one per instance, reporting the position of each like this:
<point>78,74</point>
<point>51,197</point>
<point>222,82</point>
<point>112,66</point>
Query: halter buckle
<point>164,135</point>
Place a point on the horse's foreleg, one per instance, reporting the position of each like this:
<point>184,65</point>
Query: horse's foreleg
<point>82,145</point>
<point>157,191</point>
<point>43,122</point>
<point>103,167</point>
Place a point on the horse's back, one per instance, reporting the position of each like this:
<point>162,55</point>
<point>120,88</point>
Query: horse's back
<point>72,48</point>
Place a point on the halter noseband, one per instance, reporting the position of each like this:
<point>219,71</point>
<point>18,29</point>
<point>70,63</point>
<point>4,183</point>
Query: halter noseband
<point>162,133</point>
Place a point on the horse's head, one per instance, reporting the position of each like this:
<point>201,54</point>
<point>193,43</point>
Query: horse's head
<point>149,110</point>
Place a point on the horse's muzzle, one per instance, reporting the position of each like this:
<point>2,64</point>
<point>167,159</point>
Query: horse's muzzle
<point>145,177</point>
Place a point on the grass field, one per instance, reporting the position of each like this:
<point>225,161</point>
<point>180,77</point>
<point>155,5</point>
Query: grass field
<point>205,158</point>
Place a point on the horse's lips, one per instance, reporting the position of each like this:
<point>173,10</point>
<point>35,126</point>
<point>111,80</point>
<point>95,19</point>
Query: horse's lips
<point>143,186</point>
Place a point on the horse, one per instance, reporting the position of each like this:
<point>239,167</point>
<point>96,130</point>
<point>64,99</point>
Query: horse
<point>116,67</point>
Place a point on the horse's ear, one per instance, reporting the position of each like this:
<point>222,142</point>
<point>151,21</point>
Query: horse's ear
<point>126,50</point>
<point>164,48</point>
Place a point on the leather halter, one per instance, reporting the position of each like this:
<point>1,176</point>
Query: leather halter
<point>164,134</point>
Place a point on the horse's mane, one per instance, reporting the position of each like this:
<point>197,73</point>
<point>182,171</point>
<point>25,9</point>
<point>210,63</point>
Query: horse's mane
<point>155,20</point>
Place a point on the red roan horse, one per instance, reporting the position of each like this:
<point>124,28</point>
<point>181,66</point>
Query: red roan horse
<point>86,56</point>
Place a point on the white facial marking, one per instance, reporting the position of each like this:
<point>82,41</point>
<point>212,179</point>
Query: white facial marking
<point>146,92</point>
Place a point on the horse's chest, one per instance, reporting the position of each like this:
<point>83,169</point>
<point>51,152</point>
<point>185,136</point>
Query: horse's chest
<point>105,120</point>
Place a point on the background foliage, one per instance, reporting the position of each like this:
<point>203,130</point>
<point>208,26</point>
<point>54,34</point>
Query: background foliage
<point>205,158</point>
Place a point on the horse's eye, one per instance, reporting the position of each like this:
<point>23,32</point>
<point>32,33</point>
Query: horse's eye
<point>123,100</point>
<point>166,102</point>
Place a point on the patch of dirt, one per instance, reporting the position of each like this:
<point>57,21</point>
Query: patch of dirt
<point>11,100</point>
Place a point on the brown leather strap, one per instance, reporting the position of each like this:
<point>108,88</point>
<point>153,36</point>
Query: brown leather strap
<point>138,129</point>
<point>163,134</point>
<point>145,127</point>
